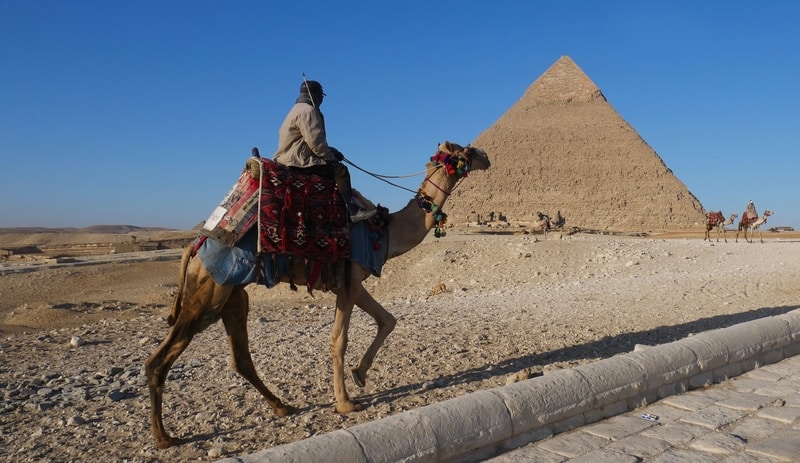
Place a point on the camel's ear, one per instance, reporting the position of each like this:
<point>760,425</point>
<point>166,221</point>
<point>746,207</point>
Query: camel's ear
<point>450,147</point>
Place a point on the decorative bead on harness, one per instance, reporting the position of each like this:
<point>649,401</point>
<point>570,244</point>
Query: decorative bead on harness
<point>453,165</point>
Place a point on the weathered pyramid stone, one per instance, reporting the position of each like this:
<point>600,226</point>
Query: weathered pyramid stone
<point>563,147</point>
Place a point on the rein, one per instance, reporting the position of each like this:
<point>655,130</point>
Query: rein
<point>384,177</point>
<point>455,165</point>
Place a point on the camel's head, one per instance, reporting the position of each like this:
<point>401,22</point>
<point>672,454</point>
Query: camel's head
<point>768,213</point>
<point>469,157</point>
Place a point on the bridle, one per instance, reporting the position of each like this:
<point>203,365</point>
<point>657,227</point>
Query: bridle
<point>455,165</point>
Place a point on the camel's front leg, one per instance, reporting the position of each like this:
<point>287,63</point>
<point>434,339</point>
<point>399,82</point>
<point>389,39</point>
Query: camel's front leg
<point>386,323</point>
<point>341,325</point>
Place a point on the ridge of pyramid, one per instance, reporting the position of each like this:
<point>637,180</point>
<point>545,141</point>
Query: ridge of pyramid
<point>562,148</point>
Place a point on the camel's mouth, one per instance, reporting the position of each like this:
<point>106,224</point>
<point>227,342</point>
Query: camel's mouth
<point>479,158</point>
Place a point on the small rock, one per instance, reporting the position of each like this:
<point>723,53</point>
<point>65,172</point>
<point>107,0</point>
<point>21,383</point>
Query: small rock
<point>522,376</point>
<point>204,417</point>
<point>46,392</point>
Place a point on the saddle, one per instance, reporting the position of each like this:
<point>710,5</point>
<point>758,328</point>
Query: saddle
<point>297,214</point>
<point>747,220</point>
<point>301,215</point>
<point>715,218</point>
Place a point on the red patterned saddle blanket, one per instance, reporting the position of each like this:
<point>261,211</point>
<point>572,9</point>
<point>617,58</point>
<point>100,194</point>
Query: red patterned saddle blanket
<point>715,218</point>
<point>746,221</point>
<point>297,215</point>
<point>301,215</point>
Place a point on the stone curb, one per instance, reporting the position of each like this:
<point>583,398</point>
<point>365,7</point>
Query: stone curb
<point>485,423</point>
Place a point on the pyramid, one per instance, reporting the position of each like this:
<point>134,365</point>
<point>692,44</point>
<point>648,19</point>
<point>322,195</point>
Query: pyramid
<point>563,147</point>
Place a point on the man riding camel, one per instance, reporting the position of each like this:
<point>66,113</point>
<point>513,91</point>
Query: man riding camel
<point>303,145</point>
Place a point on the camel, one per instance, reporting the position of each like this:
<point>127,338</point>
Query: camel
<point>754,226</point>
<point>200,301</point>
<point>715,219</point>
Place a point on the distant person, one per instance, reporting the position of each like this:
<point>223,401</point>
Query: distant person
<point>750,213</point>
<point>560,220</point>
<point>303,144</point>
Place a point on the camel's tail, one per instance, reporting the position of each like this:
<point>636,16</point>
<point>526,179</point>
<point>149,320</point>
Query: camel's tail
<point>177,302</point>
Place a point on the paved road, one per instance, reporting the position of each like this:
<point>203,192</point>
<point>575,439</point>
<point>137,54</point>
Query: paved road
<point>753,418</point>
<point>8,268</point>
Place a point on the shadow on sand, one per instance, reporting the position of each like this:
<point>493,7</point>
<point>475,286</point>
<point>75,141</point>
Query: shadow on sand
<point>610,346</point>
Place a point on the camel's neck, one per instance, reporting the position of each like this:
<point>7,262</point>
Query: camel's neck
<point>409,226</point>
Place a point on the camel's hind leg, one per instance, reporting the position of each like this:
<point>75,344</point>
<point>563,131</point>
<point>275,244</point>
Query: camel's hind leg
<point>199,306</point>
<point>386,323</point>
<point>157,367</point>
<point>234,316</point>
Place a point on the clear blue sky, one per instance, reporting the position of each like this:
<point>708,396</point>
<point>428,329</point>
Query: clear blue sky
<point>143,113</point>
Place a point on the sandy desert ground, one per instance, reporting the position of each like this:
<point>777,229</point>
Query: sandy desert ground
<point>74,336</point>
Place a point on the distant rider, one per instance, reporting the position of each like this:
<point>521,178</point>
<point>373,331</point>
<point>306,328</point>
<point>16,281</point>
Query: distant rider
<point>750,213</point>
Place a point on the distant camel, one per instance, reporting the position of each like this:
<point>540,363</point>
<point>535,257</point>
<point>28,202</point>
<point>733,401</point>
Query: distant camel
<point>200,301</point>
<point>754,226</point>
<point>715,219</point>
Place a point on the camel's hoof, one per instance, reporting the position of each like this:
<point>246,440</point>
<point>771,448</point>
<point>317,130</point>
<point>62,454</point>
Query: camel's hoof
<point>348,407</point>
<point>360,381</point>
<point>166,442</point>
<point>285,410</point>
